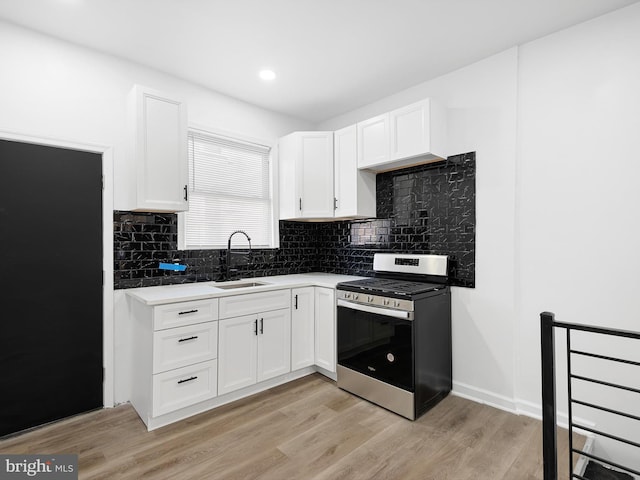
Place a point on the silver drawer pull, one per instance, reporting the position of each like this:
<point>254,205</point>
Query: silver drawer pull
<point>187,339</point>
<point>188,311</point>
<point>186,380</point>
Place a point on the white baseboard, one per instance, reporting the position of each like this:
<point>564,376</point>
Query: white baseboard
<point>514,405</point>
<point>485,397</point>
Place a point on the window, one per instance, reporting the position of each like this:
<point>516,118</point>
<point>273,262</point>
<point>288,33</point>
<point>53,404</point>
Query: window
<point>230,188</point>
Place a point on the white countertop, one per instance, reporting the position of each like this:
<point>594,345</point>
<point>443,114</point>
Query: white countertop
<point>201,290</point>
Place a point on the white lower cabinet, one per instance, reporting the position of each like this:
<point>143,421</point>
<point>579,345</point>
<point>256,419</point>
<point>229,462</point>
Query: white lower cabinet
<point>254,338</point>
<point>187,354</point>
<point>302,327</point>
<point>183,387</point>
<point>183,346</point>
<point>175,359</point>
<point>253,348</point>
<point>238,349</point>
<point>274,344</point>
<point>325,328</point>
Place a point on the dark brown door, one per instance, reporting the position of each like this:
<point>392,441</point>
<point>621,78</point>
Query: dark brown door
<point>50,284</point>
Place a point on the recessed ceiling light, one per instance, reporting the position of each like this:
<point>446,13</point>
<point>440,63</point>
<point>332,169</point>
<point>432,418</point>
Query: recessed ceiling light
<point>267,74</point>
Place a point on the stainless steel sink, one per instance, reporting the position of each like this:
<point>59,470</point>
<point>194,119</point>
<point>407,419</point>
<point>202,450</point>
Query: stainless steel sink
<point>229,286</point>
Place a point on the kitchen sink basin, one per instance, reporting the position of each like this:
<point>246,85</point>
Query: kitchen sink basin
<point>230,286</point>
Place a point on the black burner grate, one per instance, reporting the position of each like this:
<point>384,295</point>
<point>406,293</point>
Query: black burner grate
<point>392,286</point>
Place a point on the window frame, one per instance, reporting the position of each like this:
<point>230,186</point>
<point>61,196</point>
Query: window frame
<point>273,179</point>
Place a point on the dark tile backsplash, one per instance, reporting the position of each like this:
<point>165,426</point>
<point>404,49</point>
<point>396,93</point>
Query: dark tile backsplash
<point>143,240</point>
<point>423,209</point>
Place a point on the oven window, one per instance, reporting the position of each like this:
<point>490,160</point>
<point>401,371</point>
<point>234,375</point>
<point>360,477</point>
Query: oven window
<point>376,345</point>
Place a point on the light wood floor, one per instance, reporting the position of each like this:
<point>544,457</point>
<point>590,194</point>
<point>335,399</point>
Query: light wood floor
<point>307,429</point>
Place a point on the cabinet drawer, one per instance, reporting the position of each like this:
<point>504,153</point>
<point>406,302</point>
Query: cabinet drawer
<point>182,346</point>
<point>184,313</point>
<point>183,387</point>
<point>238,305</point>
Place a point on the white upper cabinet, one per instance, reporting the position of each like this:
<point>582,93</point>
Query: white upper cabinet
<point>417,130</point>
<point>410,135</point>
<point>373,141</point>
<point>355,190</point>
<point>306,175</point>
<point>159,124</point>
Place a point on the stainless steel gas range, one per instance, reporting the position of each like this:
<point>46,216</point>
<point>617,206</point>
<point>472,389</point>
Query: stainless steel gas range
<point>394,333</point>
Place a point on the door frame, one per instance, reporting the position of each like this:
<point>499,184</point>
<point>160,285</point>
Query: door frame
<point>108,339</point>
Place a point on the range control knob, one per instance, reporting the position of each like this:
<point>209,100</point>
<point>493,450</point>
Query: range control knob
<point>347,295</point>
<point>355,296</point>
<point>369,298</point>
<point>385,301</point>
<point>396,303</point>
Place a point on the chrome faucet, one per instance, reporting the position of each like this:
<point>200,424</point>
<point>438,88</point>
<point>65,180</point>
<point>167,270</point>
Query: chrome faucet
<point>228,265</point>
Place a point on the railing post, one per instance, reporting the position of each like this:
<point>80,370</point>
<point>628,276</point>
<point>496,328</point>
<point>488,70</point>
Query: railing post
<point>549,429</point>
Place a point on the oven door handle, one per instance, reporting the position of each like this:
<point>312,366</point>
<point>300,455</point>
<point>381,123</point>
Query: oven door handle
<point>377,310</point>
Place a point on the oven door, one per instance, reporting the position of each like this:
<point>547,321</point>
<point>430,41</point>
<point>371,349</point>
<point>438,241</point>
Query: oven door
<point>376,342</point>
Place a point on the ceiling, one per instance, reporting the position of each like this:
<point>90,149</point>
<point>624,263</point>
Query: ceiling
<point>330,56</point>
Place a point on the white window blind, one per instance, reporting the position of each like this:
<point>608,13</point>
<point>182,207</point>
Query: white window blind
<point>229,189</point>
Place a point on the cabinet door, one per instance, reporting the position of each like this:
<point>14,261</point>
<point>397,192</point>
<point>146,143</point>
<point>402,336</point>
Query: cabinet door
<point>302,328</point>
<point>410,130</point>
<point>290,192</point>
<point>316,174</point>
<point>373,141</point>
<point>274,344</point>
<point>345,163</point>
<point>161,151</point>
<point>355,190</point>
<point>237,353</point>
<point>325,319</point>
<point>418,130</point>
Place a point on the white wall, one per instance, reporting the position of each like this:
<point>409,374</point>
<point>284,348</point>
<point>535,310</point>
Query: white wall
<point>557,211</point>
<point>53,89</point>
<point>481,101</point>
<point>578,199</point>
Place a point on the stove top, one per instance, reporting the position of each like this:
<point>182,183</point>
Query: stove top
<point>389,287</point>
<point>401,275</point>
